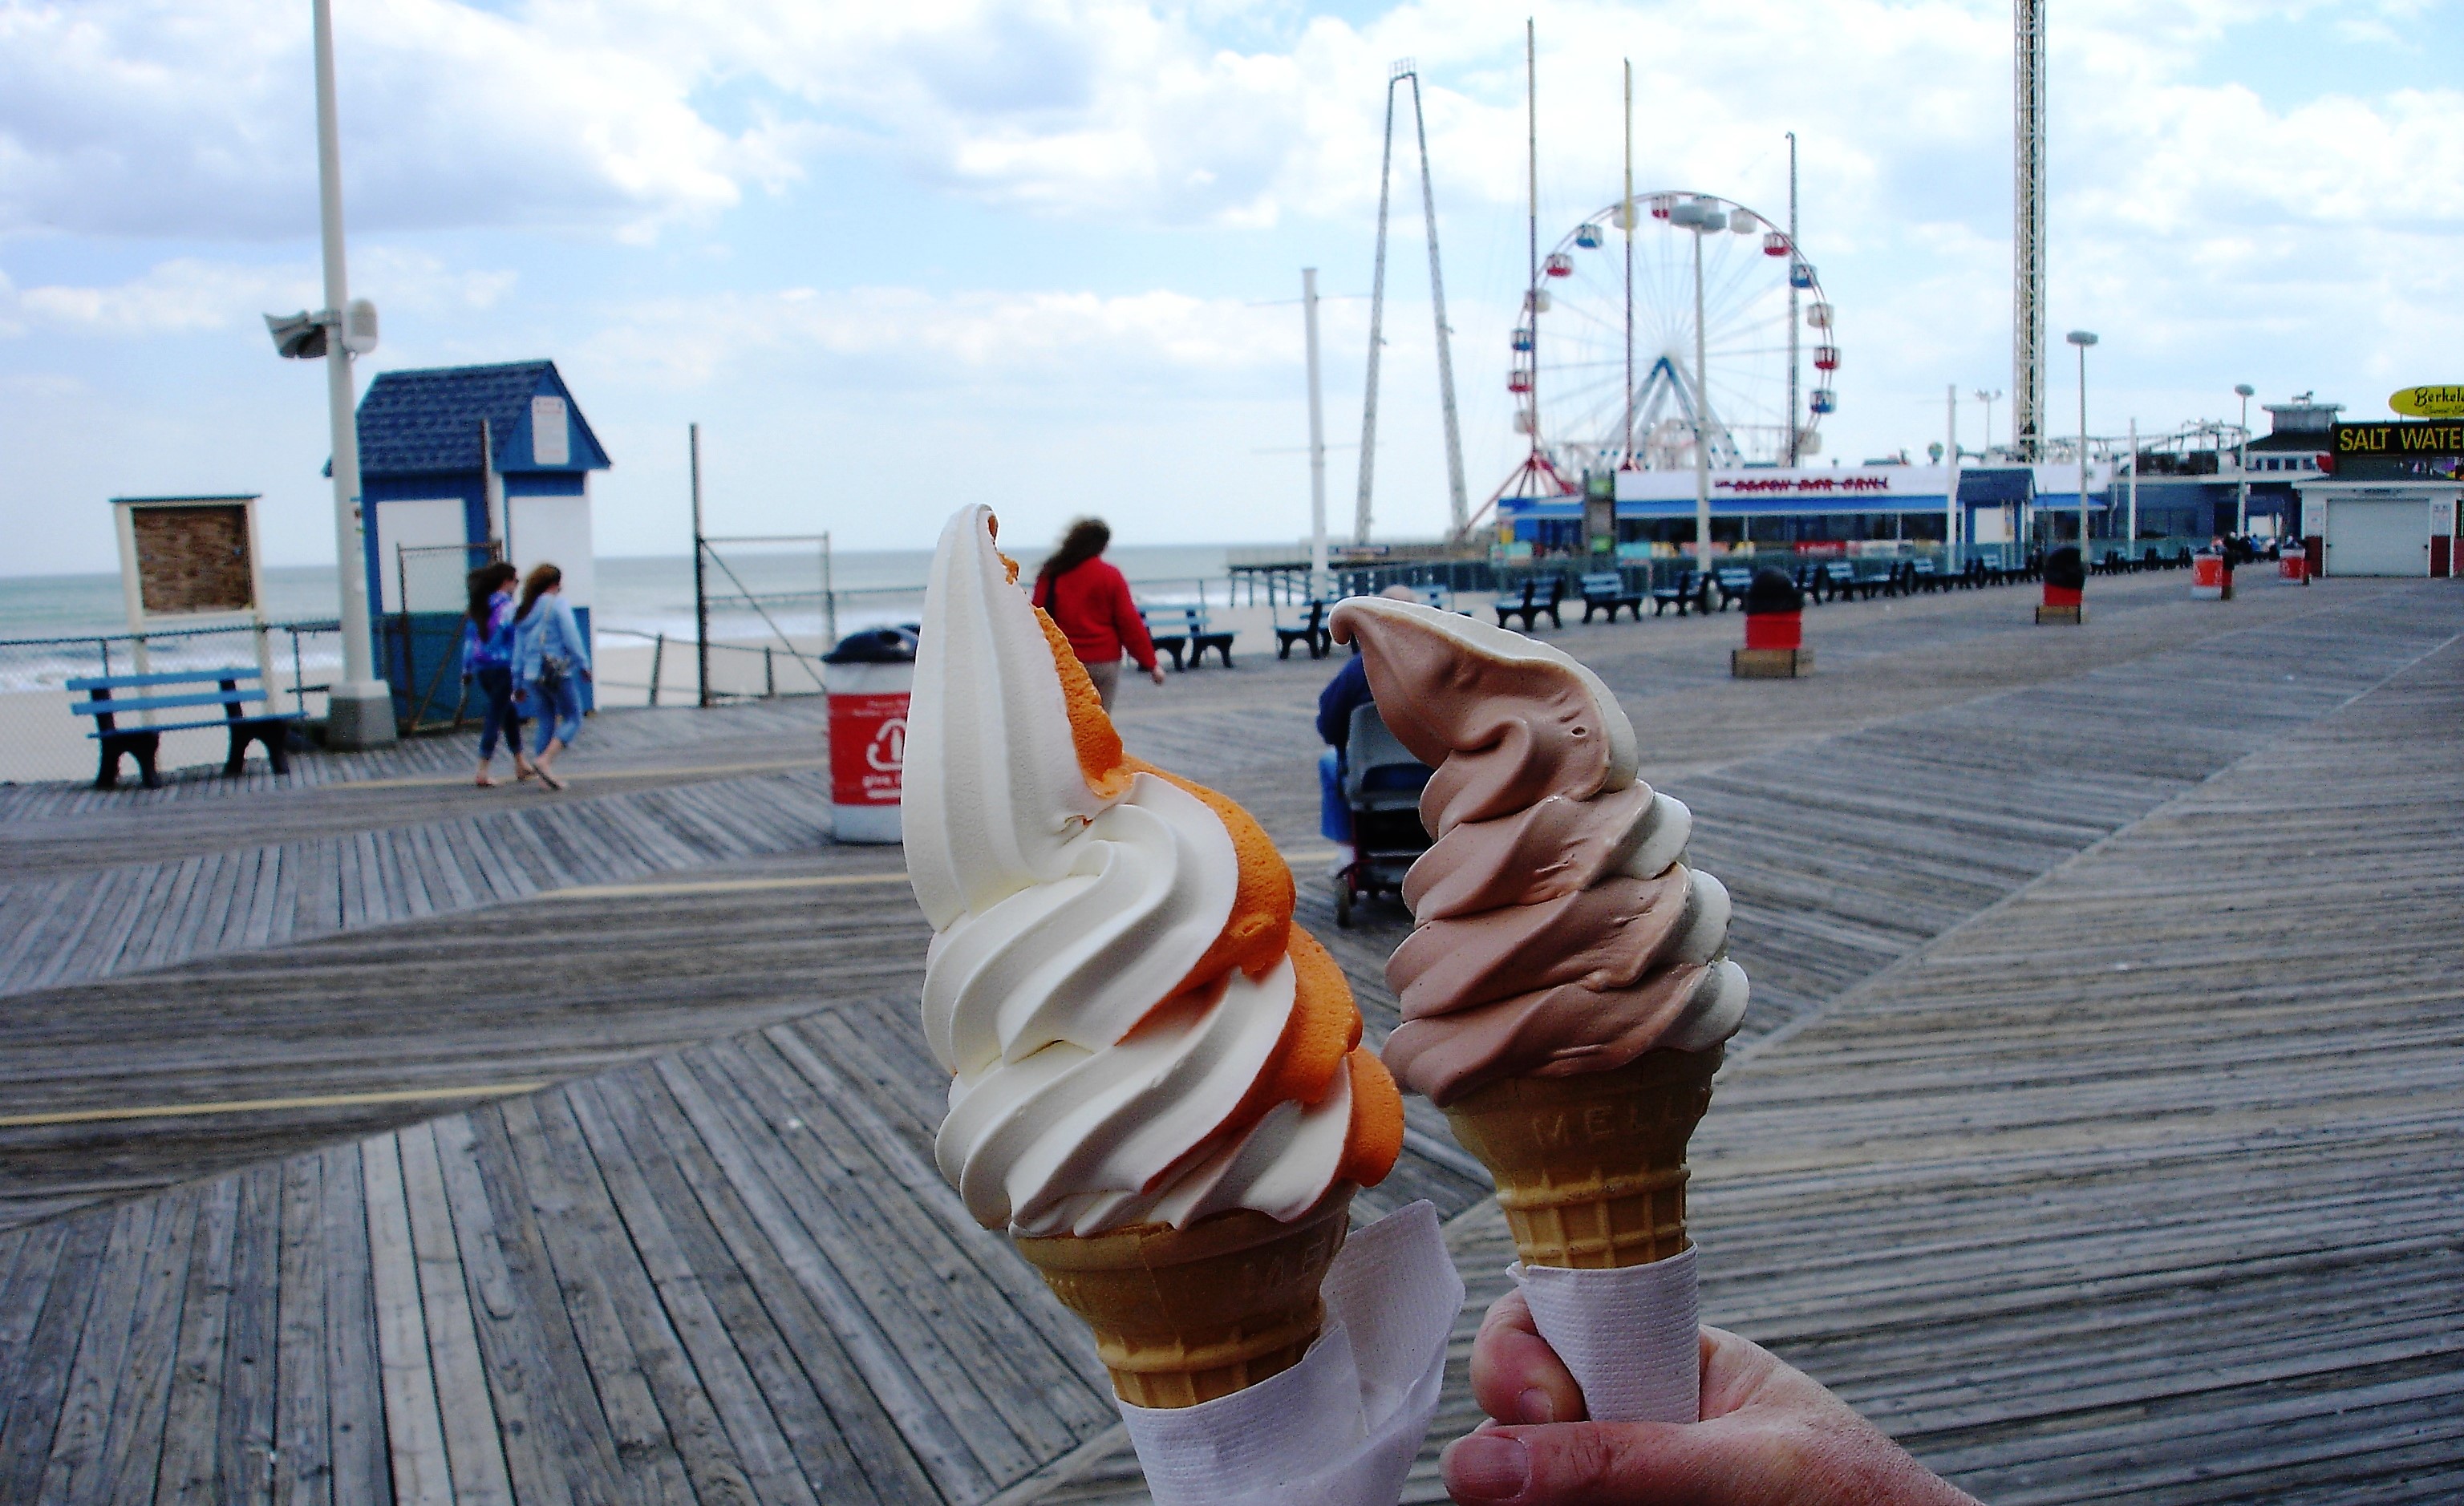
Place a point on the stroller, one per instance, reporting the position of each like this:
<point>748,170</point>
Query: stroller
<point>1375,809</point>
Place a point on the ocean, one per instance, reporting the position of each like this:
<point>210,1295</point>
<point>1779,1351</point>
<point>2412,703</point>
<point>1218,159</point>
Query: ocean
<point>637,597</point>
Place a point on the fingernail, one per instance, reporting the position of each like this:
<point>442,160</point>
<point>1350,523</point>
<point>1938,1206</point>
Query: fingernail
<point>1487,1466</point>
<point>1534,1407</point>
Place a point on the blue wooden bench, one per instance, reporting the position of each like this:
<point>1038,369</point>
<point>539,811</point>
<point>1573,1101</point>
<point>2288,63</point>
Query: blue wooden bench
<point>1680,593</point>
<point>1183,632</point>
<point>1311,634</point>
<point>1535,598</point>
<point>1605,590</point>
<point>1732,583</point>
<point>165,692</point>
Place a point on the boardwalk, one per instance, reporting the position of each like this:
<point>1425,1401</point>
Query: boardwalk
<point>2088,1134</point>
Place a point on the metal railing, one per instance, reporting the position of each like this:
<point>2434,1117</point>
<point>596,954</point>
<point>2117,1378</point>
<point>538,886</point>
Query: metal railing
<point>41,739</point>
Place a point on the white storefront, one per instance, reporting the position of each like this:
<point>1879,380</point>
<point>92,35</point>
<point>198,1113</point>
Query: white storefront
<point>2377,527</point>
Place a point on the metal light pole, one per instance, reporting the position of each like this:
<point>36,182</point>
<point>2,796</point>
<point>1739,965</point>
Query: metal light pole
<point>2083,338</point>
<point>1698,222</point>
<point>2241,463</point>
<point>1317,441</point>
<point>360,708</point>
<point>2134,489</point>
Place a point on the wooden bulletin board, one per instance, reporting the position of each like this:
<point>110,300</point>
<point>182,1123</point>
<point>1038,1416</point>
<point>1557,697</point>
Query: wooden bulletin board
<point>187,558</point>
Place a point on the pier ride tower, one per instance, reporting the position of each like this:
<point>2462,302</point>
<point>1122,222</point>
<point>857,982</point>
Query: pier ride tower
<point>1458,506</point>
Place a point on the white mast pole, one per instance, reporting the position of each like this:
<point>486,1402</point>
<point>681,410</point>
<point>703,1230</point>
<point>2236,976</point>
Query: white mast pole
<point>1318,440</point>
<point>1625,441</point>
<point>1532,180</point>
<point>360,709</point>
<point>1459,506</point>
<point>1377,334</point>
<point>1793,256</point>
<point>1951,478</point>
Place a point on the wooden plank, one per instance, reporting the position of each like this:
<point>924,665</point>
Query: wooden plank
<point>622,1325</point>
<point>685,1294</point>
<point>552,1454</point>
<point>354,1383</point>
<point>28,1258</point>
<point>471,1445</point>
<point>414,1431</point>
<point>78,1455</point>
<point>849,1447</point>
<point>34,1412</point>
<point>190,1429</point>
<point>304,1473</point>
<point>245,1443</point>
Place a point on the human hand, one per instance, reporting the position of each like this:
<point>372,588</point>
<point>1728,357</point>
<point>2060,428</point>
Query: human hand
<point>1769,1436</point>
<point>586,677</point>
<point>1155,672</point>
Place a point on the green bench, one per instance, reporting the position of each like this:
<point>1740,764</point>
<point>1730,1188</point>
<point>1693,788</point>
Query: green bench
<point>169,692</point>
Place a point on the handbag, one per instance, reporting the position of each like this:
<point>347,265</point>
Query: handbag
<point>551,674</point>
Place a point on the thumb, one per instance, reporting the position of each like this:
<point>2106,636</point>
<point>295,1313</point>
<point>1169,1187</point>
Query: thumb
<point>1577,1464</point>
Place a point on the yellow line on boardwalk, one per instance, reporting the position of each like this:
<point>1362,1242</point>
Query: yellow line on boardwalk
<point>431,781</point>
<point>803,880</point>
<point>261,1105</point>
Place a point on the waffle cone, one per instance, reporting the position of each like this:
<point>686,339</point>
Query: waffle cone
<point>1591,1168</point>
<point>1184,1316</point>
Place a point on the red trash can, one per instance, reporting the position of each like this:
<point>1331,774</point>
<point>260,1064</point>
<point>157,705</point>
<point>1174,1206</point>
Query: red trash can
<point>869,676</point>
<point>2208,578</point>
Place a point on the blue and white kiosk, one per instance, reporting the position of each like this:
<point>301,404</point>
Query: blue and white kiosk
<point>460,466</point>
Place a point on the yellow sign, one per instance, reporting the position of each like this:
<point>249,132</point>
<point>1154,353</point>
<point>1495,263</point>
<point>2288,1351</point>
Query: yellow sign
<point>2429,402</point>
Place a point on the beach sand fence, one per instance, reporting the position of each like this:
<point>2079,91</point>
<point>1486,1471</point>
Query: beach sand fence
<point>763,612</point>
<point>40,739</point>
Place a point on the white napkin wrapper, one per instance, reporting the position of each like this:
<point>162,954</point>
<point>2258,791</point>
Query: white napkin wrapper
<point>1629,1336</point>
<point>1342,1427</point>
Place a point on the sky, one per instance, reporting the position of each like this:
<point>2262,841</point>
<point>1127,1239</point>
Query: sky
<point>1046,253</point>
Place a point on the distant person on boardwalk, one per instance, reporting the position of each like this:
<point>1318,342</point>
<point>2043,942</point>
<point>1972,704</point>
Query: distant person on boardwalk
<point>488,661</point>
<point>1090,601</point>
<point>550,664</point>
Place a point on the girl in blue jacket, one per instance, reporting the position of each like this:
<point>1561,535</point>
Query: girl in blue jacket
<point>550,664</point>
<point>487,661</point>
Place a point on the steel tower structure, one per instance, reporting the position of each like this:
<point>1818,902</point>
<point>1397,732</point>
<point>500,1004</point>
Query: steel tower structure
<point>1459,507</point>
<point>2028,230</point>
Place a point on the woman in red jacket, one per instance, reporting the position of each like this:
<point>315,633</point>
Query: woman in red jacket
<point>1090,601</point>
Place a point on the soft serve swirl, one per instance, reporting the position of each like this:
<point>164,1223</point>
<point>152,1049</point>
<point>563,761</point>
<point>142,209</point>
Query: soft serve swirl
<point>1557,932</point>
<point>1136,1031</point>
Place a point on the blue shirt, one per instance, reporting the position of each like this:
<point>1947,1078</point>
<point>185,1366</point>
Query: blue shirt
<point>494,649</point>
<point>549,631</point>
<point>1347,692</point>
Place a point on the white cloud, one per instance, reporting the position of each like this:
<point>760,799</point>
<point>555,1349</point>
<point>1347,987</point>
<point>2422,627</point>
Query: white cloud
<point>152,118</point>
<point>865,336</point>
<point>187,296</point>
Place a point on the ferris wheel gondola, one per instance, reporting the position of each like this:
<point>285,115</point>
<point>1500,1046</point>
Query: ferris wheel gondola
<point>1599,391</point>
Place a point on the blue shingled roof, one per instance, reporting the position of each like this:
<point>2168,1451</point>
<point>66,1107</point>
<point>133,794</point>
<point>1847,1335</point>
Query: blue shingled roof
<point>1992,484</point>
<point>415,423</point>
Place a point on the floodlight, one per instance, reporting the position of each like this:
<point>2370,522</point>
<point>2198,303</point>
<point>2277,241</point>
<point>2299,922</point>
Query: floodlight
<point>297,336</point>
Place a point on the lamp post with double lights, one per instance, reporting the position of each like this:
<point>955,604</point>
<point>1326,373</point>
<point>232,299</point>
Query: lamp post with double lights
<point>2083,338</point>
<point>359,708</point>
<point>1702,216</point>
<point>2241,461</point>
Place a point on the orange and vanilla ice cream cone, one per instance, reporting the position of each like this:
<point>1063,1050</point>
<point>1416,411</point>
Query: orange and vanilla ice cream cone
<point>1157,1084</point>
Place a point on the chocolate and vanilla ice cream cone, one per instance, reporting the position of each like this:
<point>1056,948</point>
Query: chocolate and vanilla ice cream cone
<point>1566,992</point>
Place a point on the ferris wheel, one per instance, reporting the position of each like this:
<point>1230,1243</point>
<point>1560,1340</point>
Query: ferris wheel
<point>1595,400</point>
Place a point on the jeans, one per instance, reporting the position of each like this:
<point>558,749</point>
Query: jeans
<point>558,712</point>
<point>496,716</point>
